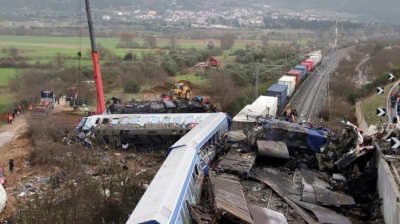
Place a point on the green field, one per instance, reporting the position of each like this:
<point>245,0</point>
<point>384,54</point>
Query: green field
<point>5,74</point>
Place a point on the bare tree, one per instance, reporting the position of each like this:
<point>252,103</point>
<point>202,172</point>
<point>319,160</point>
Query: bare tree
<point>210,44</point>
<point>59,60</point>
<point>172,41</point>
<point>150,40</point>
<point>126,39</point>
<point>225,93</point>
<point>227,41</point>
<point>264,40</point>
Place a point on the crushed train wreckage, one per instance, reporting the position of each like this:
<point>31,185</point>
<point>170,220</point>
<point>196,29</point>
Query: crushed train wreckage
<point>315,175</point>
<point>162,106</point>
<point>322,178</point>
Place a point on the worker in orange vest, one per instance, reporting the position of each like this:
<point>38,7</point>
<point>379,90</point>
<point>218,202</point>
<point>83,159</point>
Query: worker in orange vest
<point>10,118</point>
<point>30,108</point>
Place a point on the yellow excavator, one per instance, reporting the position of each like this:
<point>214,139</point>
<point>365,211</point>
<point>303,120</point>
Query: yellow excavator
<point>180,91</point>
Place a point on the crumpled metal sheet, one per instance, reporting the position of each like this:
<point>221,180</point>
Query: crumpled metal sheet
<point>235,136</point>
<point>229,198</point>
<point>264,215</point>
<point>309,194</point>
<point>237,162</point>
<point>273,149</point>
<point>328,197</point>
<point>322,194</point>
<point>282,187</point>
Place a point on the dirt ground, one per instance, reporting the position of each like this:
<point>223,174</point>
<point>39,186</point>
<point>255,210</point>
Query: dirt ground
<point>15,144</point>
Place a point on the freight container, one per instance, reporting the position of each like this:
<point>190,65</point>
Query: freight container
<point>271,102</point>
<point>279,91</point>
<point>246,118</point>
<point>290,81</point>
<point>303,70</point>
<point>312,63</point>
<point>317,58</point>
<point>297,74</point>
<point>308,65</point>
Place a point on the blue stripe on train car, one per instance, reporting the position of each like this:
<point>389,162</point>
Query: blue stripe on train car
<point>303,70</point>
<point>279,91</point>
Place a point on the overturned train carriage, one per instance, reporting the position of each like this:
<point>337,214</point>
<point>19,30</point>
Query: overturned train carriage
<point>140,128</point>
<point>180,178</point>
<point>162,106</point>
<point>294,135</point>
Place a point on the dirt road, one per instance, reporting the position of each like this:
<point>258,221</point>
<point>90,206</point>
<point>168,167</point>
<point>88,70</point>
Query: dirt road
<point>14,144</point>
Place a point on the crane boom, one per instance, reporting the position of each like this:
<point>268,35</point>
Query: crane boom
<point>101,105</point>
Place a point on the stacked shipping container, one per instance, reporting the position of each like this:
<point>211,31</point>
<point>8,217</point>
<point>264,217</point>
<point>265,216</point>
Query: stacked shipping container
<point>287,84</point>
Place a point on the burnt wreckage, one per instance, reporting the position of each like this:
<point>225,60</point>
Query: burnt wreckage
<point>162,106</point>
<point>319,176</point>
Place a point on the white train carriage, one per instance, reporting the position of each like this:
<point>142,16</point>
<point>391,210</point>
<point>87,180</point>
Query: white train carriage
<point>142,128</point>
<point>180,177</point>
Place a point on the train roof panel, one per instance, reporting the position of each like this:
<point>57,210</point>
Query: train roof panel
<point>265,100</point>
<point>250,110</point>
<point>203,129</point>
<point>166,188</point>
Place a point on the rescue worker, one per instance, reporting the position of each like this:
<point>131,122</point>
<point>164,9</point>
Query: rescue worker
<point>292,118</point>
<point>11,165</point>
<point>10,118</point>
<point>288,114</point>
<point>30,108</point>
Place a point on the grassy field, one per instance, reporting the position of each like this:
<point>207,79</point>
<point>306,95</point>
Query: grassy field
<point>5,74</point>
<point>36,47</point>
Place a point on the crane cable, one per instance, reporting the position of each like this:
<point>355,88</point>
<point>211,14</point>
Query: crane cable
<point>79,44</point>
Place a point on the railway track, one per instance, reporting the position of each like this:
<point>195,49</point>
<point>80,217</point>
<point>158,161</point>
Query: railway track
<point>310,98</point>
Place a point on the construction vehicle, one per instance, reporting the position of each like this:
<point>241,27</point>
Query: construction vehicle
<point>46,104</point>
<point>180,91</point>
<point>212,63</point>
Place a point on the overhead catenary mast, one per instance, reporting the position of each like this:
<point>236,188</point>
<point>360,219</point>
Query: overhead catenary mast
<point>336,31</point>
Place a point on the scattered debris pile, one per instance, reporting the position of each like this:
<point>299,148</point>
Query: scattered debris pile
<point>300,173</point>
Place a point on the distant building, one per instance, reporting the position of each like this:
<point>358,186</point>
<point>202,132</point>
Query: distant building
<point>152,13</point>
<point>106,17</point>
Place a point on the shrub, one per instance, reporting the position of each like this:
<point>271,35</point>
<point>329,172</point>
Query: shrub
<point>132,87</point>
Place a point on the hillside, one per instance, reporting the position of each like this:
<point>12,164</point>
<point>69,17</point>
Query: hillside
<point>368,10</point>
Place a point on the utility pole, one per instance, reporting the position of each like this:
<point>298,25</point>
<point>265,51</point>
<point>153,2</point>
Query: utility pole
<point>285,52</point>
<point>336,32</point>
<point>256,84</point>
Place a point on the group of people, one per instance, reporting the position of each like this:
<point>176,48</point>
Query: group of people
<point>11,116</point>
<point>290,115</point>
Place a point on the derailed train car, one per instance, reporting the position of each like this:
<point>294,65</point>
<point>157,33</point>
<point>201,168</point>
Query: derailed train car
<point>139,128</point>
<point>180,178</point>
<point>162,106</point>
<point>299,136</point>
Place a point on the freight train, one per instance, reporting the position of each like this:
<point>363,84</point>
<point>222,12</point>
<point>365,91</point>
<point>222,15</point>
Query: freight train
<point>289,83</point>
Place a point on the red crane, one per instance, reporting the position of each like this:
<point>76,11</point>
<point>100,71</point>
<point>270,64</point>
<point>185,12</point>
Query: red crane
<point>101,104</point>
